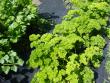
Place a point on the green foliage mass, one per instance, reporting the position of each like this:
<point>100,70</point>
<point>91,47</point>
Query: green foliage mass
<point>74,47</point>
<point>15,15</point>
<point>9,61</point>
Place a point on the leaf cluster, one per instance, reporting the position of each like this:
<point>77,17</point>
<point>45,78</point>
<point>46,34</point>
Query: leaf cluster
<point>15,16</point>
<point>9,61</point>
<point>76,45</point>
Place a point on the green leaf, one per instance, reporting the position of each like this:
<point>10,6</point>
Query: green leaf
<point>2,60</point>
<point>6,69</point>
<point>14,68</point>
<point>33,37</point>
<point>6,57</point>
<point>20,62</point>
<point>1,54</point>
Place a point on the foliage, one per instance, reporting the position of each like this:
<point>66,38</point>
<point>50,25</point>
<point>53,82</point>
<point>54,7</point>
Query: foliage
<point>57,54</point>
<point>108,32</point>
<point>76,45</point>
<point>15,15</point>
<point>9,61</point>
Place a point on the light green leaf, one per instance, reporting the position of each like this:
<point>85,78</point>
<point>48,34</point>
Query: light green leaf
<point>2,61</point>
<point>6,57</point>
<point>6,69</point>
<point>14,68</point>
<point>20,62</point>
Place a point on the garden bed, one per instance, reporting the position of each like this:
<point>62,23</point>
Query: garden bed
<point>53,11</point>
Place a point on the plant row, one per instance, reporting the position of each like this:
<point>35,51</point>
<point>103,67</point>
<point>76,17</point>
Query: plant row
<point>75,47</point>
<point>15,15</point>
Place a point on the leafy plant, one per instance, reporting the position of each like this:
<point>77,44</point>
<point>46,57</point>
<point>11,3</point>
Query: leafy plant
<point>75,46</point>
<point>9,61</point>
<point>15,15</point>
